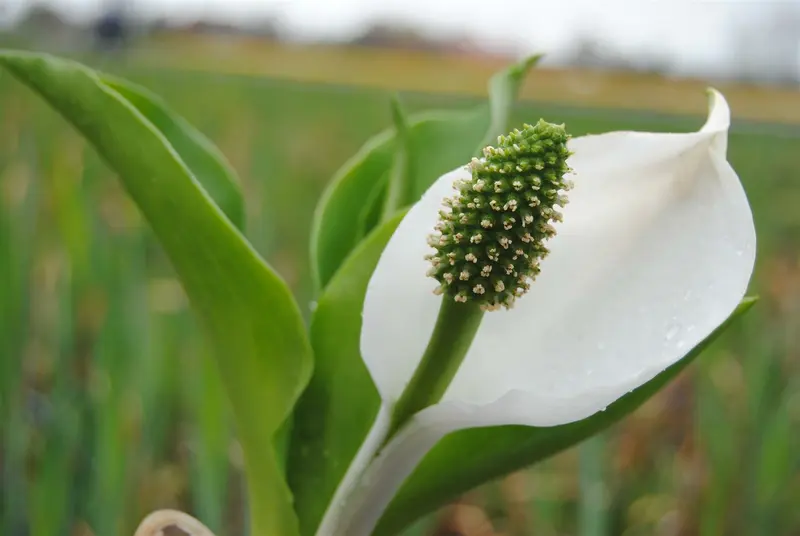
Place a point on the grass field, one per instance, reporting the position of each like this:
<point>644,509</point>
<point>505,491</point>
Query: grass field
<point>109,406</point>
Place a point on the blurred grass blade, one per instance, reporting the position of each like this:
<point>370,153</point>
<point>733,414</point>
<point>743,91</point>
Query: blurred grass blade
<point>247,311</point>
<point>54,411</point>
<point>468,458</point>
<point>593,493</point>
<point>207,163</point>
<point>437,143</point>
<point>113,363</point>
<point>340,404</point>
<point>17,238</point>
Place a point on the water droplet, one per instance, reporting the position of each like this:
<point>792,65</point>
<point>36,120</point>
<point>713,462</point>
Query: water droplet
<point>672,331</point>
<point>312,306</point>
<point>680,344</point>
<point>739,252</point>
<point>687,296</point>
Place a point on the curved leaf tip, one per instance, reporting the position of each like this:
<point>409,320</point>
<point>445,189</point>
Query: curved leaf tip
<point>527,64</point>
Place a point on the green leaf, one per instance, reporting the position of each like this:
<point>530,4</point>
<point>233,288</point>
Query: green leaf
<point>340,404</point>
<point>247,311</point>
<point>400,190</point>
<point>201,156</point>
<point>437,143</point>
<point>468,458</point>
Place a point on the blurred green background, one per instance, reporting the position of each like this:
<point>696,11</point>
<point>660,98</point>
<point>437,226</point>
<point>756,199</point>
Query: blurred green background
<point>110,406</point>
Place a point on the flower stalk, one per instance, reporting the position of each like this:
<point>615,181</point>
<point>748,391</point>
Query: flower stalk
<point>453,334</point>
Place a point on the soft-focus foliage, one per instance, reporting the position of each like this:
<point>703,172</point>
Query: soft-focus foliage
<point>106,414</point>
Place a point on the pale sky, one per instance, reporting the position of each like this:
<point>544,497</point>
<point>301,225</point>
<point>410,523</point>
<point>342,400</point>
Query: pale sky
<point>695,32</point>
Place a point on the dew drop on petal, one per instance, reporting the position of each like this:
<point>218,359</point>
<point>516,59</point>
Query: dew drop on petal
<point>672,331</point>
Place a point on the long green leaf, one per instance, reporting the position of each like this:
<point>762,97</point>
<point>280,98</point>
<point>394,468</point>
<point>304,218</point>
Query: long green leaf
<point>341,402</point>
<point>247,311</point>
<point>468,458</point>
<point>436,143</point>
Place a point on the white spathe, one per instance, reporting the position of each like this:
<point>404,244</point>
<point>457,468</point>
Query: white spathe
<point>655,251</point>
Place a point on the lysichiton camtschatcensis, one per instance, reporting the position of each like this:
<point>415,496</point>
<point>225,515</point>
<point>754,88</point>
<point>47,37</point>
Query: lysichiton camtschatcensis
<point>552,283</point>
<point>654,251</point>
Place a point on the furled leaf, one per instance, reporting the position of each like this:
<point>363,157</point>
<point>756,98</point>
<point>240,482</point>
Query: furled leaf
<point>436,143</point>
<point>400,188</point>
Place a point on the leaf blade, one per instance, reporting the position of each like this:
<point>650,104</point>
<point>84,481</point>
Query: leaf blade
<point>201,156</point>
<point>337,409</point>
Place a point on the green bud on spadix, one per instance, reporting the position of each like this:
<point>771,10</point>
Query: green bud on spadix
<point>491,234</point>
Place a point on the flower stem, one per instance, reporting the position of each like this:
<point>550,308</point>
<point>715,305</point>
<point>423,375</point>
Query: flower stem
<point>453,333</point>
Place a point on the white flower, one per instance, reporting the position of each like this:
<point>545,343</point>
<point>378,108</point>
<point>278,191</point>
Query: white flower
<point>655,250</point>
